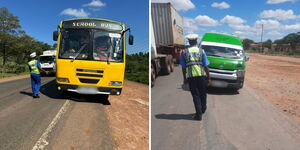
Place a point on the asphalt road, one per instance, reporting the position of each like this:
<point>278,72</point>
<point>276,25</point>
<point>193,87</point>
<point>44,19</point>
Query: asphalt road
<point>51,122</point>
<point>241,120</point>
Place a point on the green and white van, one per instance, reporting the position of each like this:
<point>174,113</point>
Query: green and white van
<point>227,60</point>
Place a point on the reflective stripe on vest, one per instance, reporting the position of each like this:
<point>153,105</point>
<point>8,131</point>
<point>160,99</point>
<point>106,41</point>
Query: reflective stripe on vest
<point>193,61</point>
<point>33,66</point>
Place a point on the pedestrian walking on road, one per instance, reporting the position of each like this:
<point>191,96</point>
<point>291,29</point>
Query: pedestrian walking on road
<point>194,64</point>
<point>35,68</point>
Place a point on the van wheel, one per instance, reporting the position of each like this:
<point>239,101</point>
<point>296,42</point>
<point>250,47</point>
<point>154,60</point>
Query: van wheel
<point>241,84</point>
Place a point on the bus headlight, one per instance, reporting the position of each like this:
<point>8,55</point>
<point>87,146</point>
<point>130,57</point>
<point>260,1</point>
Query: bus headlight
<point>115,83</point>
<point>63,80</point>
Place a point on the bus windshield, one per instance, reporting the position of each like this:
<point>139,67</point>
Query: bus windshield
<point>224,52</point>
<point>91,44</point>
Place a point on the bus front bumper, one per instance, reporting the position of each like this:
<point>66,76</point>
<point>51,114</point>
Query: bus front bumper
<point>89,89</point>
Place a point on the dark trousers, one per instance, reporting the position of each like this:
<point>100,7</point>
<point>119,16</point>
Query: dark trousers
<point>198,90</point>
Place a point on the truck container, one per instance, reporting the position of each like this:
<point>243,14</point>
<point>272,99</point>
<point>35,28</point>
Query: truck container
<point>167,40</point>
<point>168,29</point>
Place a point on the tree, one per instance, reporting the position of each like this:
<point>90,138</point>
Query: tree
<point>268,44</point>
<point>246,43</point>
<point>9,28</point>
<point>292,38</point>
<point>54,46</point>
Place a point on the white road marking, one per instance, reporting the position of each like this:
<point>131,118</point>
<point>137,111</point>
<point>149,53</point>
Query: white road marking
<point>42,142</point>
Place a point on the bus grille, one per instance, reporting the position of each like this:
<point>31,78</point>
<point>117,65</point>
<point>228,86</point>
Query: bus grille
<point>88,73</point>
<point>93,81</point>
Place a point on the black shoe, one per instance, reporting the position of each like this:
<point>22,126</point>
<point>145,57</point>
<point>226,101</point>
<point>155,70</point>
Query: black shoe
<point>37,96</point>
<point>197,117</point>
<point>203,110</point>
<point>34,96</point>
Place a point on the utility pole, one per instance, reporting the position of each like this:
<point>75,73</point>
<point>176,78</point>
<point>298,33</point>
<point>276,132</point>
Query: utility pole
<point>261,38</point>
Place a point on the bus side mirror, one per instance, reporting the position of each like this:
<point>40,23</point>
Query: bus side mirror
<point>130,39</point>
<point>55,35</point>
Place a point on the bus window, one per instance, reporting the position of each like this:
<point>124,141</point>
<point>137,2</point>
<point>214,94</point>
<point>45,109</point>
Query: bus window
<point>75,44</point>
<point>107,46</point>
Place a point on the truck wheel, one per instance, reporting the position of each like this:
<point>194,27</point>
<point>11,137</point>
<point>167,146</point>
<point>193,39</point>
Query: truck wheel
<point>153,75</point>
<point>171,63</point>
<point>165,66</point>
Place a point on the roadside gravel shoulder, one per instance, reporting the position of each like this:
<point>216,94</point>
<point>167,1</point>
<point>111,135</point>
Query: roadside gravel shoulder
<point>128,117</point>
<point>278,79</point>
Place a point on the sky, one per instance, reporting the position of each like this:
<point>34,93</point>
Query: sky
<point>39,18</point>
<point>243,18</point>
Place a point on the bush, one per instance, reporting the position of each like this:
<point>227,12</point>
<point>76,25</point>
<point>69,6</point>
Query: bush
<point>137,68</point>
<point>14,68</point>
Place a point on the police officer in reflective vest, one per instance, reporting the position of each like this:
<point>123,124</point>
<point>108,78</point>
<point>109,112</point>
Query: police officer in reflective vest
<point>194,64</point>
<point>35,68</point>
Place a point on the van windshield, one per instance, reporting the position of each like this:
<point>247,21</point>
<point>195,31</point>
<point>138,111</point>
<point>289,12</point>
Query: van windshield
<point>225,52</point>
<point>47,59</point>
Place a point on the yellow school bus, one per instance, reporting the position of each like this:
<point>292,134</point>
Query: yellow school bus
<point>90,56</point>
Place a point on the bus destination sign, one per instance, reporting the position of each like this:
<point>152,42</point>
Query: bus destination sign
<point>92,24</point>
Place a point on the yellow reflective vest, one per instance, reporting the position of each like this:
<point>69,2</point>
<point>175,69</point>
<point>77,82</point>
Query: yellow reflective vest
<point>33,67</point>
<point>193,62</point>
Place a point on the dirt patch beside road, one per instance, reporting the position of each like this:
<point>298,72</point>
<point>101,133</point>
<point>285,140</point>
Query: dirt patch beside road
<point>278,79</point>
<point>128,117</point>
<point>6,79</point>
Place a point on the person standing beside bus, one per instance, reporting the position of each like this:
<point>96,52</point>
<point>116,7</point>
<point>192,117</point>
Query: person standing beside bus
<point>35,68</point>
<point>194,64</point>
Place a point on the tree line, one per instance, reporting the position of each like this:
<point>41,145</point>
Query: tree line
<point>15,44</point>
<point>289,44</point>
<point>137,67</point>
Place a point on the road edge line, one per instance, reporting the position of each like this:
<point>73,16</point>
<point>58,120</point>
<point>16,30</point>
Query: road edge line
<point>42,142</point>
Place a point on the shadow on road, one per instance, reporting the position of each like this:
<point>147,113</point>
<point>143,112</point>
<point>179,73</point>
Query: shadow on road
<point>49,90</point>
<point>221,91</point>
<point>26,93</point>
<point>213,90</point>
<point>175,116</point>
<point>185,87</point>
<point>88,98</point>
